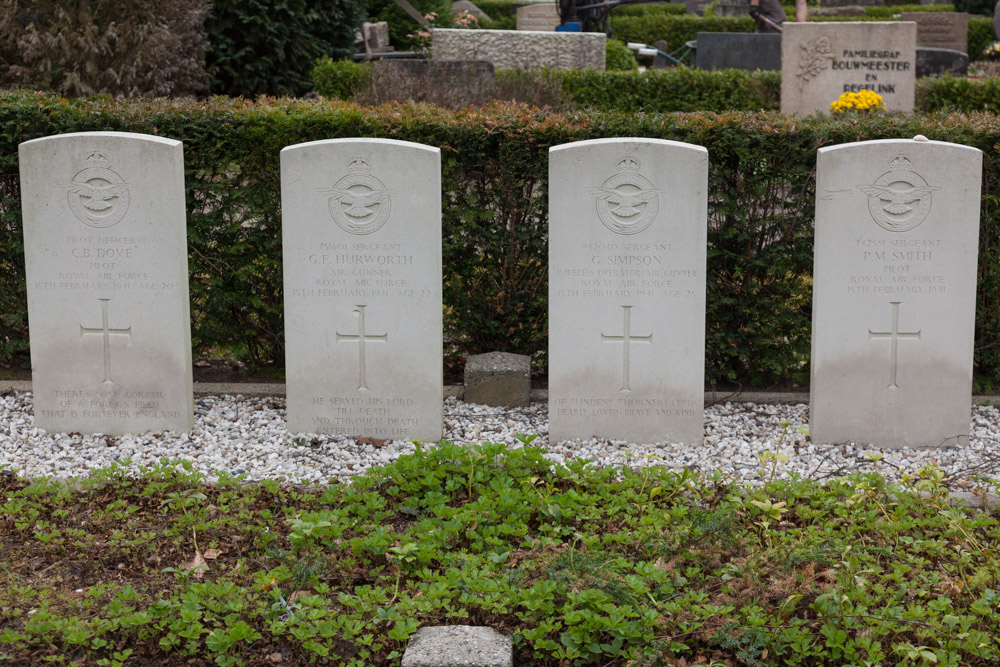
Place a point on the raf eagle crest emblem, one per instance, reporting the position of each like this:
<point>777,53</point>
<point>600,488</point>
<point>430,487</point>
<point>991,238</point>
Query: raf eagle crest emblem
<point>627,203</point>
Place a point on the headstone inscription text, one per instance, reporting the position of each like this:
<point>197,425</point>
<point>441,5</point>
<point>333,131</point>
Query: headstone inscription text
<point>821,61</point>
<point>106,263</point>
<point>894,290</point>
<point>627,234</point>
<point>361,232</point>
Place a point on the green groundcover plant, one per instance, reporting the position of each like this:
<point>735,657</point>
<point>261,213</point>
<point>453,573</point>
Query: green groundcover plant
<point>579,565</point>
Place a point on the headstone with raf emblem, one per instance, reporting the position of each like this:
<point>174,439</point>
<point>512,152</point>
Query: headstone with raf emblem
<point>361,233</point>
<point>627,239</point>
<point>894,292</point>
<point>105,245</point>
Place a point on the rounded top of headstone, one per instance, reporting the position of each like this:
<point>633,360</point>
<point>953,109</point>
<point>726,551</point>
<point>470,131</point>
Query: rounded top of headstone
<point>920,137</point>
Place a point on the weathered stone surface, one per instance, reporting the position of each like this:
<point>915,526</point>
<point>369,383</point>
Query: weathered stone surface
<point>498,378</point>
<point>821,61</point>
<point>894,292</point>
<point>448,83</point>
<point>458,646</point>
<point>512,49</point>
<point>105,245</point>
<point>538,16</point>
<point>846,11</point>
<point>373,38</point>
<point>738,50</point>
<point>935,62</point>
<point>361,234</point>
<point>627,238</point>
<point>942,30</point>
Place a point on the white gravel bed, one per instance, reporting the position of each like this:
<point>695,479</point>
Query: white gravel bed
<point>247,436</point>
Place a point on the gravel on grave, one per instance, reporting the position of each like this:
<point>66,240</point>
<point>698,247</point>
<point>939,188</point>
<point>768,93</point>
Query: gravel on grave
<point>248,436</point>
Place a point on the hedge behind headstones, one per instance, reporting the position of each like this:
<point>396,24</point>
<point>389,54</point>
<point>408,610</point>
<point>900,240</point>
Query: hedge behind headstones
<point>494,163</point>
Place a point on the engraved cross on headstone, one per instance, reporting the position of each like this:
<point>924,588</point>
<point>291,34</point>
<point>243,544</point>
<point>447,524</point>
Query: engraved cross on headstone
<point>894,337</point>
<point>106,332</point>
<point>360,339</point>
<point>626,339</point>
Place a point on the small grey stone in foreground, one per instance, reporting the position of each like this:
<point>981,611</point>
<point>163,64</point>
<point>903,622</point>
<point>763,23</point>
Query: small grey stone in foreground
<point>458,646</point>
<point>498,378</point>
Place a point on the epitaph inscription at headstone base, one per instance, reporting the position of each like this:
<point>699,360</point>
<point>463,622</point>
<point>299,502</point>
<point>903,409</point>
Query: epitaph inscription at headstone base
<point>894,292</point>
<point>361,236</point>
<point>942,30</point>
<point>821,61</point>
<point>627,237</point>
<point>105,245</point>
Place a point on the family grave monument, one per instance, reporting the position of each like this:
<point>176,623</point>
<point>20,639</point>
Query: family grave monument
<point>361,236</point>
<point>821,61</point>
<point>105,245</point>
<point>894,292</point>
<point>941,30</point>
<point>627,238</point>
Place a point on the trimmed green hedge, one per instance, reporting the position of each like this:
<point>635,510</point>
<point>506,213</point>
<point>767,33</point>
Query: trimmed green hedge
<point>683,89</point>
<point>676,89</point>
<point>676,30</point>
<point>761,199</point>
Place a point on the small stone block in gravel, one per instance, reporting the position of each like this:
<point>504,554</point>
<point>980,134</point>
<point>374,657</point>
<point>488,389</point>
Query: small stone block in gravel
<point>498,378</point>
<point>458,646</point>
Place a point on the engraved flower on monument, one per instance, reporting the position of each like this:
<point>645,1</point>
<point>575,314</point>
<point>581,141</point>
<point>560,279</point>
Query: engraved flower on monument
<point>626,290</point>
<point>361,231</point>
<point>894,292</point>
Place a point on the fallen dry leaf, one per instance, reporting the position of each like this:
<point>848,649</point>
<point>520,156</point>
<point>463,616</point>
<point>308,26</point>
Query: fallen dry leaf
<point>374,442</point>
<point>197,564</point>
<point>212,554</point>
<point>275,657</point>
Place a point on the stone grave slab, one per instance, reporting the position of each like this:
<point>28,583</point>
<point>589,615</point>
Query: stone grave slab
<point>498,378</point>
<point>738,50</point>
<point>447,83</point>
<point>935,62</point>
<point>105,247</point>
<point>941,30</point>
<point>515,49</point>
<point>627,238</point>
<point>361,236</point>
<point>538,16</point>
<point>894,292</point>
<point>821,61</point>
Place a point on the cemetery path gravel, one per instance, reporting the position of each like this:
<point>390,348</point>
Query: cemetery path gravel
<point>248,436</point>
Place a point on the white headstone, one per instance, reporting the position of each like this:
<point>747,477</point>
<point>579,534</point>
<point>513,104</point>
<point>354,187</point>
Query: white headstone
<point>894,293</point>
<point>105,245</point>
<point>361,232</point>
<point>822,61</point>
<point>627,241</point>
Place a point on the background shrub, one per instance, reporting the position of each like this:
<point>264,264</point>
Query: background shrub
<point>983,7</point>
<point>494,161</point>
<point>269,46</point>
<point>401,24</point>
<point>140,48</point>
<point>619,57</point>
<point>502,14</point>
